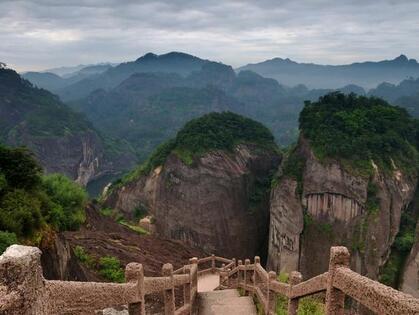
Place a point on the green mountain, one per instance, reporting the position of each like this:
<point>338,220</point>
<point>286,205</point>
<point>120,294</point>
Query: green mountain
<point>63,140</point>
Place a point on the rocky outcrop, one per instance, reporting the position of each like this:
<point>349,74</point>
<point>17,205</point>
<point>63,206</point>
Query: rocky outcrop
<point>410,281</point>
<point>58,259</point>
<point>333,203</point>
<point>211,203</point>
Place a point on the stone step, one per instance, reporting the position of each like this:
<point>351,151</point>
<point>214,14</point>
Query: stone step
<point>225,302</point>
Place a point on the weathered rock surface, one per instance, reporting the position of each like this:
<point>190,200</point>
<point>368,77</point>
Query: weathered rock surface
<point>410,281</point>
<point>208,204</point>
<point>333,205</point>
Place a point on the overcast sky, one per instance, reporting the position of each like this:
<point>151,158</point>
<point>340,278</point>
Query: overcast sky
<point>40,34</point>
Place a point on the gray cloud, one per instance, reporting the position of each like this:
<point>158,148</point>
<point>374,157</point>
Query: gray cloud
<point>39,34</point>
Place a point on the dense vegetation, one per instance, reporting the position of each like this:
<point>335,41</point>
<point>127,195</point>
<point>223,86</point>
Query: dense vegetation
<point>37,111</point>
<point>214,131</point>
<point>31,202</point>
<point>392,272</point>
<point>359,130</point>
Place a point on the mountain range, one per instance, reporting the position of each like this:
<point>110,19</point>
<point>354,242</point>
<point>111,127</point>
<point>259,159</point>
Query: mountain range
<point>366,74</point>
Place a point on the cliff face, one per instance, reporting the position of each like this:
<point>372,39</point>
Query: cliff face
<point>331,208</point>
<point>79,156</point>
<point>410,280</point>
<point>218,204</point>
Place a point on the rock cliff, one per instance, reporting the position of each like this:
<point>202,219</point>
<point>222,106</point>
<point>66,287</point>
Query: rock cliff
<point>208,187</point>
<point>330,206</point>
<point>212,204</point>
<point>318,202</point>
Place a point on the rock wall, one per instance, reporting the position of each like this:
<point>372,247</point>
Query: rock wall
<point>333,205</point>
<point>207,204</point>
<point>410,280</point>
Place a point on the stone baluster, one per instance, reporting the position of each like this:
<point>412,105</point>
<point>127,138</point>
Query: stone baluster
<point>213,263</point>
<point>246,266</point>
<point>169,294</point>
<point>135,273</point>
<point>335,299</point>
<point>295,278</point>
<point>271,298</point>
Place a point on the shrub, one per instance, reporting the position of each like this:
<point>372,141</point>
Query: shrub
<point>110,268</point>
<point>20,212</point>
<point>71,197</point>
<point>6,239</point>
<point>83,256</point>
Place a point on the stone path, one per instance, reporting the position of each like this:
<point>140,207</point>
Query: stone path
<point>225,302</point>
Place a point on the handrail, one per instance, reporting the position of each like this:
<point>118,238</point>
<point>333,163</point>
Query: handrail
<point>29,293</point>
<point>23,290</point>
<point>339,281</point>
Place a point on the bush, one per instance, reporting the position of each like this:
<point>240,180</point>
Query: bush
<point>71,197</point>
<point>19,168</point>
<point>110,268</point>
<point>83,256</point>
<point>6,239</point>
<point>20,213</point>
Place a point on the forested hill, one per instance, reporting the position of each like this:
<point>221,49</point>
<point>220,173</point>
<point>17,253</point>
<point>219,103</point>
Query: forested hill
<point>63,140</point>
<point>362,131</point>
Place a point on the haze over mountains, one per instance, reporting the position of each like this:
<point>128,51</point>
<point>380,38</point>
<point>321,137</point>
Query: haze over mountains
<point>366,74</point>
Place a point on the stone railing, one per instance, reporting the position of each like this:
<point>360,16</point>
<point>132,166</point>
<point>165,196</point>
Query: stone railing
<point>338,282</point>
<point>24,291</point>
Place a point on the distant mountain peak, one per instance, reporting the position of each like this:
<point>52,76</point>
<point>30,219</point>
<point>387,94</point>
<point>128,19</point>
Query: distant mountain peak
<point>170,55</point>
<point>401,58</point>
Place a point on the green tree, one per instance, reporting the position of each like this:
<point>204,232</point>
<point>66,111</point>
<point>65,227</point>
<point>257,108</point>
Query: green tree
<point>6,239</point>
<point>20,212</point>
<point>66,194</point>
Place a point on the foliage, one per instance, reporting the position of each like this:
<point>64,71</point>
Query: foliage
<point>19,168</point>
<point>71,198</point>
<point>360,129</point>
<point>110,268</point>
<point>391,273</point>
<point>29,201</point>
<point>20,212</point>
<point>135,228</point>
<point>140,211</point>
<point>83,256</point>
<point>306,306</point>
<point>373,202</point>
<point>7,239</point>
<point>293,167</point>
<point>214,131</point>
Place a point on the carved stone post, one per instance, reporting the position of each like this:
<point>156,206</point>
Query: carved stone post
<point>246,266</point>
<point>187,287</point>
<point>271,294</point>
<point>295,278</point>
<point>213,263</point>
<point>169,294</point>
<point>21,275</point>
<point>335,299</point>
<point>257,262</point>
<point>239,273</point>
<point>194,261</point>
<point>135,273</point>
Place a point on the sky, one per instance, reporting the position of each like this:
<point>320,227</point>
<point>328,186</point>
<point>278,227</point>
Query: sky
<point>41,34</point>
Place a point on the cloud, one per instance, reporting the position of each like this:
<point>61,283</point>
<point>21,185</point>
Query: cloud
<point>38,34</point>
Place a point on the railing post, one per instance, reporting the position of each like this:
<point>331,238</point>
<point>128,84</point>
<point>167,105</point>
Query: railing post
<point>135,273</point>
<point>335,299</point>
<point>246,266</point>
<point>257,262</point>
<point>169,294</point>
<point>194,261</point>
<point>21,276</point>
<point>295,278</point>
<point>187,287</point>
<point>213,263</point>
<point>239,273</point>
<point>271,294</point>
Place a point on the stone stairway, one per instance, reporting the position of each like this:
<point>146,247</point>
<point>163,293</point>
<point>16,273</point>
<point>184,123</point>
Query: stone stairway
<point>225,302</point>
